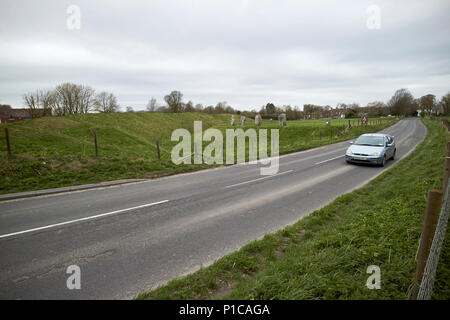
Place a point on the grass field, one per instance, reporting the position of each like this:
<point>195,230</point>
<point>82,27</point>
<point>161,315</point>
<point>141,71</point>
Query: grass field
<point>59,151</point>
<point>326,254</point>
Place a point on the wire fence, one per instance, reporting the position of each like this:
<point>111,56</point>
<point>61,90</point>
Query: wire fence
<point>429,274</point>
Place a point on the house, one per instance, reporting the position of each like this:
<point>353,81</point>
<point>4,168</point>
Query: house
<point>14,115</point>
<point>337,113</point>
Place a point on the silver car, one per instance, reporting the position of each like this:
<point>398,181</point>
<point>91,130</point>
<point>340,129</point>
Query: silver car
<point>371,148</point>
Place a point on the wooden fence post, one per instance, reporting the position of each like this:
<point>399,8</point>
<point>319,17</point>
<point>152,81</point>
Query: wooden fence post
<point>94,132</point>
<point>447,168</point>
<point>157,149</point>
<point>434,203</point>
<point>8,145</point>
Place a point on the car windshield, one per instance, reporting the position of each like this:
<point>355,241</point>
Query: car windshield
<point>375,141</point>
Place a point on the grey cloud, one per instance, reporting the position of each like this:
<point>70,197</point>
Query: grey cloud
<point>244,52</point>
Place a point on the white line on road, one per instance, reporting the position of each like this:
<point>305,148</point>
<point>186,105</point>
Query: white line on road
<point>250,181</point>
<point>329,160</point>
<point>82,219</point>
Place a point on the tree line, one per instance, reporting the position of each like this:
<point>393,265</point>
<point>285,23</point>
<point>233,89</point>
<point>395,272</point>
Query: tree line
<point>175,104</point>
<point>69,98</point>
<point>402,103</point>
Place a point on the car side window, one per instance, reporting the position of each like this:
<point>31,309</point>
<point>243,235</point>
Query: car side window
<point>389,140</point>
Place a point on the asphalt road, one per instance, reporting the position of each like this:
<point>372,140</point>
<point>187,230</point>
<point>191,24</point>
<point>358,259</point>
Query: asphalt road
<point>133,237</point>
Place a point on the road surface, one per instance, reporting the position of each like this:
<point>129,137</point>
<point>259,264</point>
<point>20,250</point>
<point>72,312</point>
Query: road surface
<point>133,237</point>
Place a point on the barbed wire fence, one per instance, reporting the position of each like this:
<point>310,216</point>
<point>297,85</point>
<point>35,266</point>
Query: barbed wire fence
<point>429,274</point>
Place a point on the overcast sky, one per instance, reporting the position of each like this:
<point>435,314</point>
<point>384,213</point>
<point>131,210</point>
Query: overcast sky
<point>245,52</point>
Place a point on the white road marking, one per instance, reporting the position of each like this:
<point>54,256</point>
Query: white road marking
<point>81,219</point>
<point>329,160</point>
<point>250,181</point>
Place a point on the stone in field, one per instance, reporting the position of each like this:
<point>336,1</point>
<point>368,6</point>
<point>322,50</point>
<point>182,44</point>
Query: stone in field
<point>282,119</point>
<point>258,119</point>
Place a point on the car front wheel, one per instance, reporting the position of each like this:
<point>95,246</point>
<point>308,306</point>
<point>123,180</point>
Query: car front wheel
<point>383,162</point>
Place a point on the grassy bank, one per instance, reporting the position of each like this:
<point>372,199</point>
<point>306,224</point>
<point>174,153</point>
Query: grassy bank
<point>325,255</point>
<point>59,151</point>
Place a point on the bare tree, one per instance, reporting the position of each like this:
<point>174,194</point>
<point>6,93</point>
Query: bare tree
<point>270,108</point>
<point>199,107</point>
<point>438,109</point>
<point>427,103</point>
<point>189,107</point>
<point>376,108</point>
<point>58,107</point>
<point>73,99</point>
<point>47,101</point>
<point>152,105</point>
<point>445,103</point>
<point>220,107</point>
<point>209,109</point>
<point>229,109</point>
<point>86,98</point>
<point>174,101</point>
<point>32,101</point>
<point>106,103</point>
<point>130,109</point>
<point>67,95</point>
<point>402,103</point>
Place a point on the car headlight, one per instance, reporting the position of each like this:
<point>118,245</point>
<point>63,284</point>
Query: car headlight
<point>375,154</point>
<point>349,152</point>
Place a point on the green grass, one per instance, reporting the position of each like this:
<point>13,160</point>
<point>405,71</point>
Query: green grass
<point>326,254</point>
<point>59,151</point>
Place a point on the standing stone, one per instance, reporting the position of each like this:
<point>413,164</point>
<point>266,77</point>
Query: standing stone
<point>232,120</point>
<point>242,120</point>
<point>282,119</point>
<point>258,119</point>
